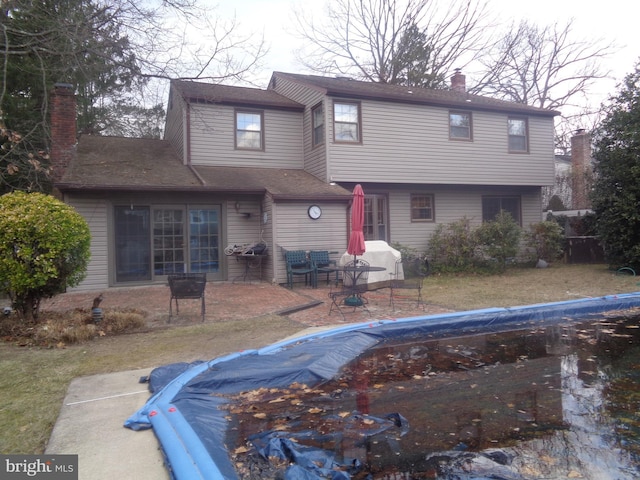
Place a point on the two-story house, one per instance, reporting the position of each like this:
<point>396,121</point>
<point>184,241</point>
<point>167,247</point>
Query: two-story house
<point>238,165</point>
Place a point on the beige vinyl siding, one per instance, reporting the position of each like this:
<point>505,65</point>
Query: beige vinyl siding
<point>296,231</point>
<point>175,125</point>
<point>315,158</point>
<point>212,130</point>
<point>267,232</point>
<point>240,230</point>
<point>408,142</point>
<point>94,211</point>
<point>451,204</point>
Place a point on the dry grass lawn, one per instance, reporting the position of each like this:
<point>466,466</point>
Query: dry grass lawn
<point>520,286</point>
<point>33,381</point>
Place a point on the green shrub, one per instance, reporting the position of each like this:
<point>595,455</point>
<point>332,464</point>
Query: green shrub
<point>556,204</point>
<point>452,246</point>
<point>546,239</point>
<point>499,239</point>
<point>44,247</point>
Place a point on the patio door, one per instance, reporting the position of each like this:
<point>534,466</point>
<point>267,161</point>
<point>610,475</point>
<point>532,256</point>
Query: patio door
<point>155,241</point>
<point>132,243</point>
<point>375,217</point>
<point>204,240</point>
<point>186,240</point>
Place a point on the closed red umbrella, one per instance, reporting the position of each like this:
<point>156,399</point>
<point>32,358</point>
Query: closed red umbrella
<point>356,238</point>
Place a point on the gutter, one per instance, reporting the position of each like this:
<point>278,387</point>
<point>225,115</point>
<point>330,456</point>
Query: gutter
<point>155,188</point>
<point>311,197</point>
<point>469,104</point>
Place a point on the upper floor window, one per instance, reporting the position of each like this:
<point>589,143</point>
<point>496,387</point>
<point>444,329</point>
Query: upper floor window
<point>317,120</point>
<point>518,134</point>
<point>460,125</point>
<point>493,205</point>
<point>249,130</point>
<point>422,208</point>
<point>346,122</point>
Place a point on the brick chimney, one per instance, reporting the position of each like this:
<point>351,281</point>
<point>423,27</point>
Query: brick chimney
<point>63,128</point>
<point>581,170</point>
<point>458,82</point>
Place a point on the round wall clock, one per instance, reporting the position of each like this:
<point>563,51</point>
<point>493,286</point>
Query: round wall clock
<point>314,212</point>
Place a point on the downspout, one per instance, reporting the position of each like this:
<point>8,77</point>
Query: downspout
<point>187,135</point>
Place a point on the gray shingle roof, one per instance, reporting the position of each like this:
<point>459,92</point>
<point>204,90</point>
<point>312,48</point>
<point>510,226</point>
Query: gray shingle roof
<point>346,87</point>
<point>118,163</point>
<point>280,183</point>
<point>197,92</point>
<point>126,163</point>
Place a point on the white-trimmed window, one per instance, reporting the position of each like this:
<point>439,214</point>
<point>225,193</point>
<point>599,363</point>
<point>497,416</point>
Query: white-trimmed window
<point>460,125</point>
<point>422,208</point>
<point>518,134</point>
<point>346,122</point>
<point>249,130</point>
<point>317,121</point>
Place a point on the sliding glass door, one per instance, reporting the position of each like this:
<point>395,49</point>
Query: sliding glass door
<point>155,241</point>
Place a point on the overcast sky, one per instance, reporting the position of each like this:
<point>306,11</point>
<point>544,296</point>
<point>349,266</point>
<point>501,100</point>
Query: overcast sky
<point>613,21</point>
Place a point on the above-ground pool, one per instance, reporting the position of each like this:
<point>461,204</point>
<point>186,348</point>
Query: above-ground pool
<point>543,391</point>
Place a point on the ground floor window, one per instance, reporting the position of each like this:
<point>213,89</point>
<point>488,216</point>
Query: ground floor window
<point>421,207</point>
<point>375,217</point>
<point>155,241</point>
<point>492,205</point>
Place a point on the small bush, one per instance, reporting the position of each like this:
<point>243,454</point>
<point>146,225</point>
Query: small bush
<point>556,204</point>
<point>44,247</point>
<point>546,239</point>
<point>452,246</point>
<point>499,239</point>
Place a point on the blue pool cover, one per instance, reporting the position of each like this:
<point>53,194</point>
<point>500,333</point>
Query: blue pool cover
<point>191,426</point>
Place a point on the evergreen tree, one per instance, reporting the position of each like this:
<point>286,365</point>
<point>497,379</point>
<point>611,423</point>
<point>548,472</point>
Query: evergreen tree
<point>616,192</point>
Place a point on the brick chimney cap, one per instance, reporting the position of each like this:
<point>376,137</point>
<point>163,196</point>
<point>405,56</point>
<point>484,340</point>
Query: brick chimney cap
<point>67,86</point>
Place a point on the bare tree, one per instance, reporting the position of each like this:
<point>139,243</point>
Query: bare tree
<point>389,41</point>
<point>541,66</point>
<point>546,67</point>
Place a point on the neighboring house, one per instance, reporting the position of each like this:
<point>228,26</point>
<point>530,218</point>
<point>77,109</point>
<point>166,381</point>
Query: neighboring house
<point>239,164</point>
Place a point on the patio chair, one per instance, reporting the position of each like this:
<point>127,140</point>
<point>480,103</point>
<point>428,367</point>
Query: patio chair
<point>299,264</point>
<point>187,286</point>
<point>355,275</point>
<point>323,263</point>
<point>415,270</point>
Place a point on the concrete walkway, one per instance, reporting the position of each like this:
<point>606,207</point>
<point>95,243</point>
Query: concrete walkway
<point>90,425</point>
